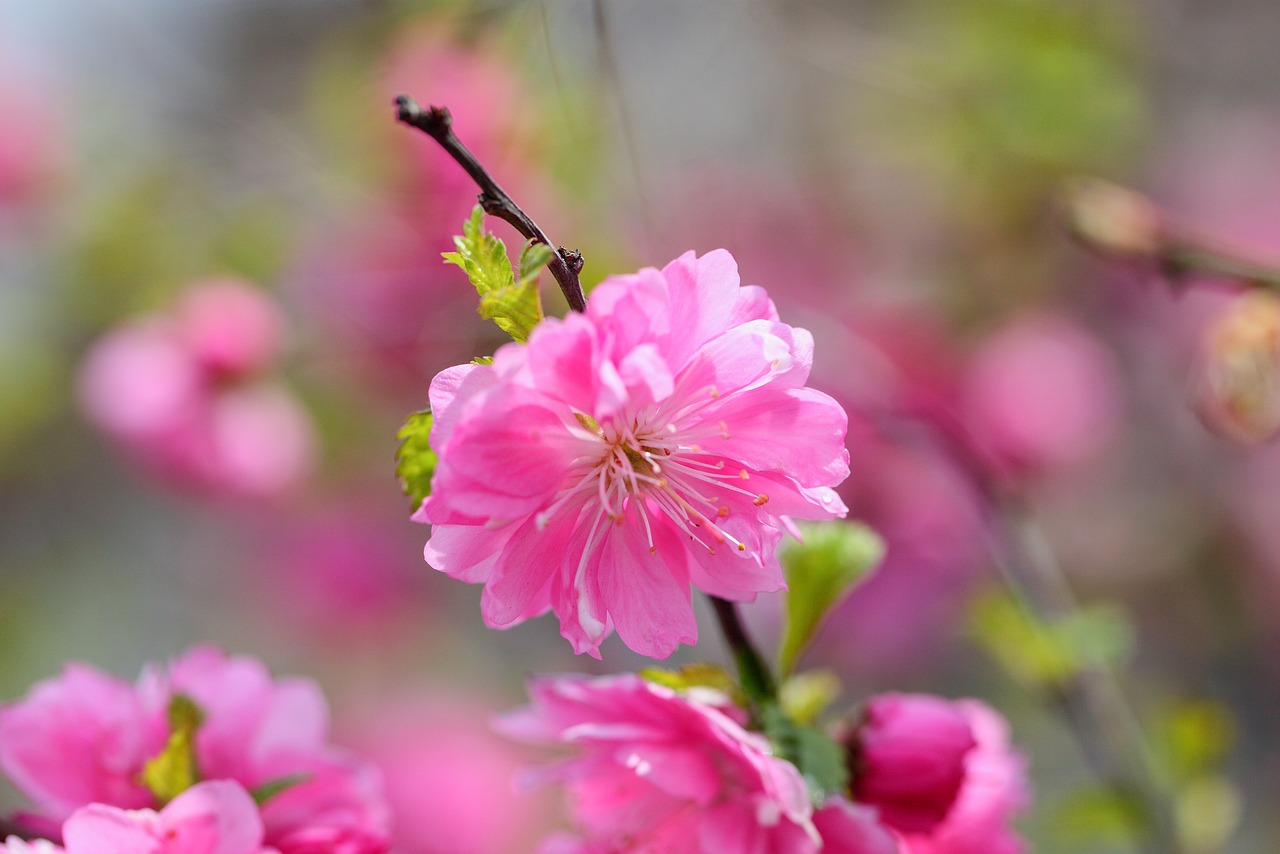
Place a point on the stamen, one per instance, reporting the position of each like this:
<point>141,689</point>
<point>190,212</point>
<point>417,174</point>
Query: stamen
<point>761,500</point>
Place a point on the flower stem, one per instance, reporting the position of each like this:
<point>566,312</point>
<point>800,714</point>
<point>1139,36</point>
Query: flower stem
<point>755,676</point>
<point>437,123</point>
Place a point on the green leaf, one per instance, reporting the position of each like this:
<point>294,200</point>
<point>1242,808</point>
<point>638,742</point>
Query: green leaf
<point>173,770</point>
<point>1047,654</point>
<point>806,695</point>
<point>820,570</point>
<point>515,306</point>
<point>821,761</point>
<point>1096,816</point>
<point>1193,738</point>
<point>698,674</point>
<point>415,461</point>
<point>533,258</point>
<point>268,790</point>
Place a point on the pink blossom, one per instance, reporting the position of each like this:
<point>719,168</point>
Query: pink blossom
<point>85,738</point>
<point>995,788</point>
<point>209,818</point>
<point>656,770</point>
<point>663,438</point>
<point>1041,395</point>
<point>184,394</point>
<point>908,756</point>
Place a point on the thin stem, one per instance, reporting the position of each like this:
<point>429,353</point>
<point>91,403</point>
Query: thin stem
<point>757,680</point>
<point>437,123</point>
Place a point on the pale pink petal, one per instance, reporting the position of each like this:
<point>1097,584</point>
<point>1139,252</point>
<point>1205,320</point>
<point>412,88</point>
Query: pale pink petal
<point>102,829</point>
<point>647,593</point>
<point>215,817</point>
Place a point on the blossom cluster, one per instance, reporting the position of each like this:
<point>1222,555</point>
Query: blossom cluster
<point>86,749</point>
<point>188,394</point>
<point>656,769</point>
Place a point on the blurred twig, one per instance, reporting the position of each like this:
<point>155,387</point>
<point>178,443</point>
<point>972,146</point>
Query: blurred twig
<point>437,123</point>
<point>1119,223</point>
<point>1092,701</point>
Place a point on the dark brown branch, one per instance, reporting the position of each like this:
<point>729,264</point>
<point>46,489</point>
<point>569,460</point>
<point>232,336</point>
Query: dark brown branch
<point>437,123</point>
<point>753,673</point>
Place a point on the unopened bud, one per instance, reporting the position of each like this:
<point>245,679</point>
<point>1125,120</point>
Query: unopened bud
<point>1238,392</point>
<point>1114,219</point>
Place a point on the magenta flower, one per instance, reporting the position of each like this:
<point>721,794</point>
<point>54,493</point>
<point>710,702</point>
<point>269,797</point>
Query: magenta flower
<point>995,788</point>
<point>85,738</point>
<point>663,438</point>
<point>656,770</point>
<point>908,756</point>
<point>209,818</point>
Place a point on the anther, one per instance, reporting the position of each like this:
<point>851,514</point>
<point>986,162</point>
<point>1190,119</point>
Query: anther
<point>724,430</point>
<point>761,500</point>
<point>723,512</point>
<point>742,473</point>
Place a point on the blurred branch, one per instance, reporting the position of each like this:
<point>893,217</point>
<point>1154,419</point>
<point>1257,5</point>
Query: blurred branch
<point>1119,223</point>
<point>437,123</point>
<point>1092,701</point>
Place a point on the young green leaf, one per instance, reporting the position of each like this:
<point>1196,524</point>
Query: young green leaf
<point>1048,653</point>
<point>697,674</point>
<point>173,770</point>
<point>515,306</point>
<point>415,461</point>
<point>268,790</point>
<point>819,759</point>
<point>533,258</point>
<point>820,570</point>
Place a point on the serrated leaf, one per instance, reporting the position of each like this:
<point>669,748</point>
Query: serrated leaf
<point>482,360</point>
<point>268,790</point>
<point>821,761</point>
<point>533,258</point>
<point>415,461</point>
<point>832,558</point>
<point>174,769</point>
<point>515,306</point>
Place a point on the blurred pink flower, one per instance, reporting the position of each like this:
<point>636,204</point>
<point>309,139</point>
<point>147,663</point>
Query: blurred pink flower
<point>31,138</point>
<point>1040,395</point>
<point>182,394</point>
<point>995,788</point>
<point>217,817</point>
<point>664,437</point>
<point>449,779</point>
<point>655,770</point>
<point>85,738</point>
<point>908,758</point>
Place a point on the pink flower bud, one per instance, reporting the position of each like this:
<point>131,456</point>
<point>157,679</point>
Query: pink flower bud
<point>908,758</point>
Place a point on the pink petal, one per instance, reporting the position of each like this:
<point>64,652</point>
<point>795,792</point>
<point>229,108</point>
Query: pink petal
<point>647,594</point>
<point>101,829</point>
<point>217,817</point>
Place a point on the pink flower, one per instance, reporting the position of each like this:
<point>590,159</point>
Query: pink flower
<point>663,438</point>
<point>185,394</point>
<point>909,759</point>
<point>85,738</point>
<point>209,818</point>
<point>995,788</point>
<point>1041,396</point>
<point>655,770</point>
